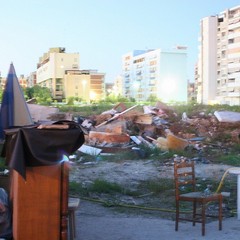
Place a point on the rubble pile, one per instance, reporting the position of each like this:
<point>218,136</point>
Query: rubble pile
<point>158,126</point>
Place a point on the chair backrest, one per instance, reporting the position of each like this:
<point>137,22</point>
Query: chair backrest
<point>184,176</point>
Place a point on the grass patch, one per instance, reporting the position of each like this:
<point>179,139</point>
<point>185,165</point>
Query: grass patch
<point>98,186</point>
<point>102,186</point>
<point>230,159</point>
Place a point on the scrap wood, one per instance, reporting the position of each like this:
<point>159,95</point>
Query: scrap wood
<point>144,141</point>
<point>108,137</point>
<point>53,126</point>
<point>144,119</point>
<point>117,127</point>
<point>116,116</point>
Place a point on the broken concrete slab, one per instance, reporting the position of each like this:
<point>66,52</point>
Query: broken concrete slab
<point>227,116</point>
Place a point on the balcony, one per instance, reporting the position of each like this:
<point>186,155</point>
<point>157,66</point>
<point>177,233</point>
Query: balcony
<point>234,75</point>
<point>233,94</point>
<point>234,25</point>
<point>234,45</point>
<point>233,35</point>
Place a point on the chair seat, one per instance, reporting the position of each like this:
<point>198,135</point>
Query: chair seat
<point>199,196</point>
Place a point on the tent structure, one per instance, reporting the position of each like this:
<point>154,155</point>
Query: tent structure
<point>14,110</point>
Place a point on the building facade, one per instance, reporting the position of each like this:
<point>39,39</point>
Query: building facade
<point>158,73</point>
<point>59,71</point>
<point>87,85</point>
<point>218,71</point>
<point>51,70</point>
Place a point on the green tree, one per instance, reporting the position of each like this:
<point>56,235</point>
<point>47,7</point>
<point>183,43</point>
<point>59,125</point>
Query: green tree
<point>152,98</point>
<point>70,101</point>
<point>28,92</point>
<point>42,95</point>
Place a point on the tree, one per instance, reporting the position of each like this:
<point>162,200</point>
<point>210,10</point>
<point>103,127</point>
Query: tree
<point>42,95</point>
<point>152,98</point>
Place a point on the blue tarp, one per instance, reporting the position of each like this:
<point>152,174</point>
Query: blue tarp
<point>14,111</point>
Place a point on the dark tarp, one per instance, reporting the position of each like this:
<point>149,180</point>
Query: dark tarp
<point>30,147</point>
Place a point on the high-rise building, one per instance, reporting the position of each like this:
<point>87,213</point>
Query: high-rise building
<point>218,71</point>
<point>158,73</point>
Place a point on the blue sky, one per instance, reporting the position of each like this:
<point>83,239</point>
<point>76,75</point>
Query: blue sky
<point>101,31</point>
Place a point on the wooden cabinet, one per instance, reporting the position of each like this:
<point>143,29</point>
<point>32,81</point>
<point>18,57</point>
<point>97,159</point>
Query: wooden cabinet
<point>40,203</point>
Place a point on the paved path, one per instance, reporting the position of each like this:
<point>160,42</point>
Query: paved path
<point>95,222</point>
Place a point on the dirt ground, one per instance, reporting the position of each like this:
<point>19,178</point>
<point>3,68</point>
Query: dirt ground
<point>131,172</point>
<point>94,221</point>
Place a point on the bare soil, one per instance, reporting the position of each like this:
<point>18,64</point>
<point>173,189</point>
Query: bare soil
<point>131,173</point>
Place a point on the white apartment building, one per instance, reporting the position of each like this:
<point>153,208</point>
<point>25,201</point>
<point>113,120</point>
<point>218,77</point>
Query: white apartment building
<point>218,71</point>
<point>159,73</point>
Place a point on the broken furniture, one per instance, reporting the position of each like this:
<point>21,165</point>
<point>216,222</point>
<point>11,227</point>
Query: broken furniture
<point>185,191</point>
<point>73,204</point>
<point>37,159</point>
<point>237,172</point>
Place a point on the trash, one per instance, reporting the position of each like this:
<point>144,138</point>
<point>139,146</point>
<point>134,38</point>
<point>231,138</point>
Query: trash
<point>89,150</point>
<point>159,126</point>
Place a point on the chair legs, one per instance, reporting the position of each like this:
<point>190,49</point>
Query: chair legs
<point>194,212</point>
<point>177,216</point>
<point>220,214</point>
<point>203,218</point>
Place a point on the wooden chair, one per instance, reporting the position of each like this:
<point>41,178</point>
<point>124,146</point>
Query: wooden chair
<point>184,176</point>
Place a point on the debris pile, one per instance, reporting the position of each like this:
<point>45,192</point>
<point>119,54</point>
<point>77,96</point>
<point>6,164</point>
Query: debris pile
<point>159,126</point>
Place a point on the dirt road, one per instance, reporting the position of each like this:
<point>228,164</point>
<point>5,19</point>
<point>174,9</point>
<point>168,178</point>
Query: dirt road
<point>95,222</point>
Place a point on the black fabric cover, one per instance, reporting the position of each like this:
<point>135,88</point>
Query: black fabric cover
<point>30,147</point>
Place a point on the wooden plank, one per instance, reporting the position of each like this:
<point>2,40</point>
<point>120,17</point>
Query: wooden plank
<point>116,116</point>
<point>144,119</point>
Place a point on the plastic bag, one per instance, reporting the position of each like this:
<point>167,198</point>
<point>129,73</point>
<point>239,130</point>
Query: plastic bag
<point>5,216</point>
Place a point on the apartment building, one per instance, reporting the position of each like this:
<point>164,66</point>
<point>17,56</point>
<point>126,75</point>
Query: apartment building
<point>157,72</point>
<point>23,81</point>
<point>51,70</point>
<point>59,71</point>
<point>218,72</point>
<point>87,85</point>
<point>32,79</point>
